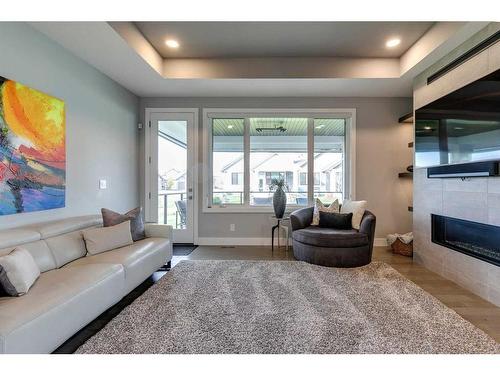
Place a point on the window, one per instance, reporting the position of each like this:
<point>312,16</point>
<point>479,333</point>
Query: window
<point>316,179</point>
<point>227,161</point>
<point>248,149</point>
<point>329,149</point>
<point>303,178</point>
<point>236,178</point>
<point>278,149</point>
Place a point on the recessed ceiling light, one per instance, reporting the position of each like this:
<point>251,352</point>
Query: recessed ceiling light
<point>393,42</point>
<point>172,43</point>
<point>319,126</point>
<point>427,128</point>
<point>230,126</point>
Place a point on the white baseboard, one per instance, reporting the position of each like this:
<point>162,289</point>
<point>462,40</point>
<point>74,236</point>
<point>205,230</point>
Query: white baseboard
<point>234,241</point>
<point>380,242</point>
<point>255,241</point>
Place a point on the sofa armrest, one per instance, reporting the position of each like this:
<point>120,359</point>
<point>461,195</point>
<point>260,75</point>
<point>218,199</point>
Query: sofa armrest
<point>158,230</point>
<point>301,218</point>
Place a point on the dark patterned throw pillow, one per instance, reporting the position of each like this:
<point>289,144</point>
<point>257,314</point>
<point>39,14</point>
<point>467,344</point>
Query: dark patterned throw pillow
<point>111,218</point>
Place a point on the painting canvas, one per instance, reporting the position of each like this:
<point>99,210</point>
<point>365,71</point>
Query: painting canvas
<point>32,149</point>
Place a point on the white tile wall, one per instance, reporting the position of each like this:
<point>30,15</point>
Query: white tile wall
<point>476,199</point>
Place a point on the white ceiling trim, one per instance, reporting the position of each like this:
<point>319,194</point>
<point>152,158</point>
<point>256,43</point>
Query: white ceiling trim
<point>140,69</point>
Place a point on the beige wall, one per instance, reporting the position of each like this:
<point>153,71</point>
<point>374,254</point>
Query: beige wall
<point>101,124</point>
<point>473,199</point>
<point>381,152</point>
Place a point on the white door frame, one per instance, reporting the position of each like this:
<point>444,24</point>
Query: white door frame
<point>147,162</point>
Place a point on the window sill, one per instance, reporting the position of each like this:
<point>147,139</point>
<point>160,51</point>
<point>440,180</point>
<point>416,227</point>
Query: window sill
<point>247,210</point>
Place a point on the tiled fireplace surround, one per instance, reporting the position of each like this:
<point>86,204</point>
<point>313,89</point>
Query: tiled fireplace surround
<point>474,199</point>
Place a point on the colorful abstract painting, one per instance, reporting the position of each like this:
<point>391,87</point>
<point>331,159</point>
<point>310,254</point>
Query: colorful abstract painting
<point>32,149</point>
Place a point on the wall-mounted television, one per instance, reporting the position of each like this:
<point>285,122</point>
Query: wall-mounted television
<point>461,127</point>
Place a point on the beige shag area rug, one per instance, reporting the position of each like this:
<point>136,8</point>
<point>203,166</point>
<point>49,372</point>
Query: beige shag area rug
<point>286,307</point>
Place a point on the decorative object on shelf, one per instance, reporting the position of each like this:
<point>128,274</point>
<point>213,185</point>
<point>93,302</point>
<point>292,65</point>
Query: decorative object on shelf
<point>405,175</point>
<point>406,119</point>
<point>401,243</point>
<point>410,168</point>
<point>279,196</point>
<point>33,149</point>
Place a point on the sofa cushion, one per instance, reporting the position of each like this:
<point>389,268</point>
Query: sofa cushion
<point>67,247</point>
<point>139,259</point>
<point>10,238</point>
<point>328,237</point>
<point>40,252</point>
<point>61,302</point>
<point>70,224</point>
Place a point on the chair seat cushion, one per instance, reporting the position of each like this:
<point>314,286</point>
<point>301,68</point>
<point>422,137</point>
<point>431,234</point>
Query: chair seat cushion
<point>329,237</point>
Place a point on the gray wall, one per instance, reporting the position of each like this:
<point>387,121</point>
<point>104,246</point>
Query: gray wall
<point>381,152</point>
<point>476,199</point>
<point>101,118</point>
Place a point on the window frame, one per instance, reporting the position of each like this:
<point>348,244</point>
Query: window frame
<point>349,182</point>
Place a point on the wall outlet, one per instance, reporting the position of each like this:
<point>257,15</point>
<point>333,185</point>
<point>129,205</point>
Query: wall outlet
<point>103,184</point>
<point>232,227</point>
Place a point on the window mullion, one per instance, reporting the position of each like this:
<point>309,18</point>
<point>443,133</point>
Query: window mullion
<point>246,163</point>
<point>210,164</point>
<point>310,160</point>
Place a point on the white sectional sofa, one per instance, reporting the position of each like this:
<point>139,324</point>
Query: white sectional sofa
<point>73,288</point>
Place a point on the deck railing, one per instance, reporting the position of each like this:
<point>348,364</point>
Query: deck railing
<point>168,213</point>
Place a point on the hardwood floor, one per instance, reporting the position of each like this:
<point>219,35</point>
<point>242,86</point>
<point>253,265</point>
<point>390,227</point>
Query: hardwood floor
<point>476,310</point>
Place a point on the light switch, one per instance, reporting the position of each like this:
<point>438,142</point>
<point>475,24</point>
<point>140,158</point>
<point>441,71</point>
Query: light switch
<point>102,184</point>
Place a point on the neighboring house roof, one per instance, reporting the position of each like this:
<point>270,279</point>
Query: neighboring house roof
<point>235,161</point>
<point>182,175</point>
<point>316,156</point>
<point>264,161</point>
<point>332,166</point>
<point>172,173</point>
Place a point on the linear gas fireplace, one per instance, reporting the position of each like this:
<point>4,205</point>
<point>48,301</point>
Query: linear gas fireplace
<point>478,240</point>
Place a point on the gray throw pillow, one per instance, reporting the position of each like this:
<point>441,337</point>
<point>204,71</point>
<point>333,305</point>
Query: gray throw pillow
<point>111,218</point>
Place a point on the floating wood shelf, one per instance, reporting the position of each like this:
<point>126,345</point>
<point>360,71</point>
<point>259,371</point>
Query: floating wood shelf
<point>405,175</point>
<point>406,119</point>
<point>410,208</point>
<point>410,145</point>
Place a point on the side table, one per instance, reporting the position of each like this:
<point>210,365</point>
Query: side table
<point>279,225</point>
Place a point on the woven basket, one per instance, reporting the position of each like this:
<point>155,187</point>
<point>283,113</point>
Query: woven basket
<point>399,247</point>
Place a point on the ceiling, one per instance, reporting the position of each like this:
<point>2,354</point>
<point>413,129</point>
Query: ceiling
<point>293,126</point>
<point>120,51</point>
<point>281,39</point>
